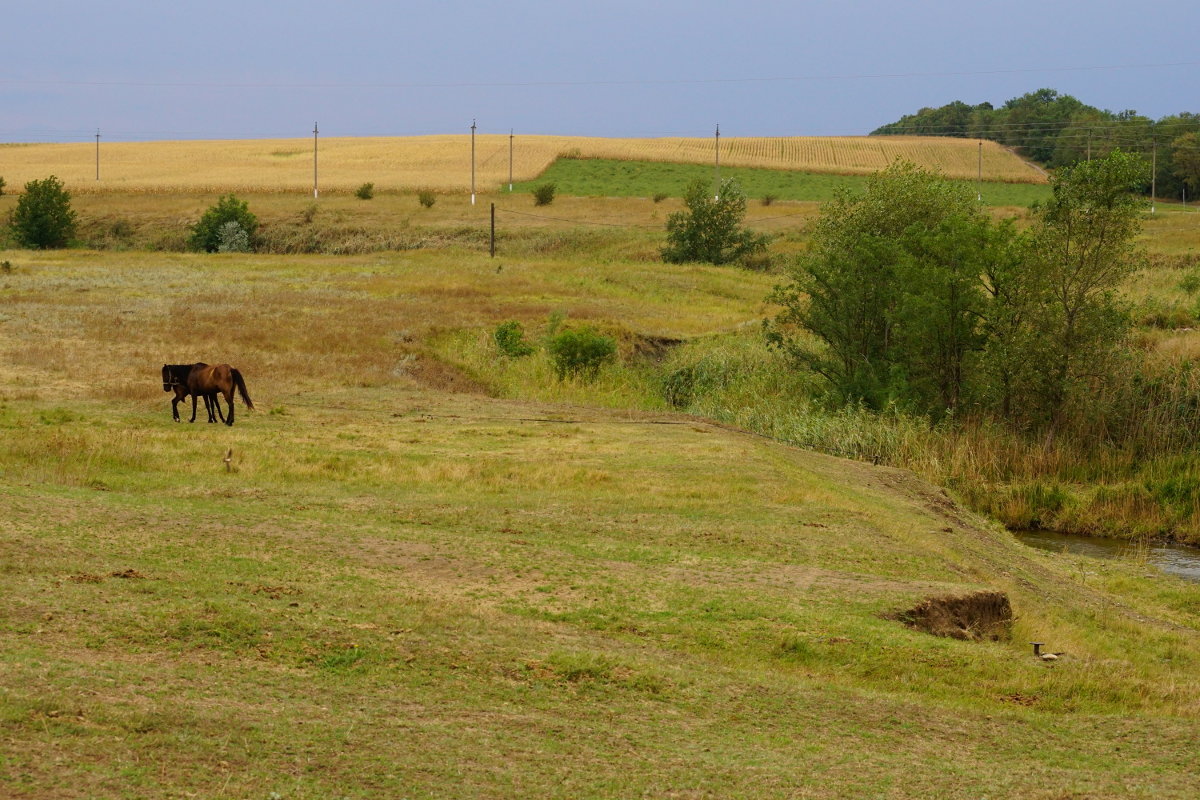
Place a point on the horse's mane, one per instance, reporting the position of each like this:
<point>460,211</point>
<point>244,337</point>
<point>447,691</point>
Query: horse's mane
<point>181,371</point>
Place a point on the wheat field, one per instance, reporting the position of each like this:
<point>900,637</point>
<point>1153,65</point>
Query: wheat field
<point>443,163</point>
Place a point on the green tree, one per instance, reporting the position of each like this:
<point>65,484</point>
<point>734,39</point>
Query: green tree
<point>710,230</point>
<point>1081,246</point>
<point>1185,157</point>
<point>890,290</point>
<point>212,230</point>
<point>43,217</point>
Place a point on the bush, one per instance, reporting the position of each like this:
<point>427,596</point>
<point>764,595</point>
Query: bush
<point>206,234</point>
<point>43,217</point>
<point>2,185</point>
<point>510,338</point>
<point>365,192</point>
<point>543,195</point>
<point>710,230</point>
<point>768,199</point>
<point>660,196</point>
<point>426,198</point>
<point>232,238</point>
<point>580,353</point>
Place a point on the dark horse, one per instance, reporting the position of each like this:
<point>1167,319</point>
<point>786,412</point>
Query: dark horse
<point>202,380</point>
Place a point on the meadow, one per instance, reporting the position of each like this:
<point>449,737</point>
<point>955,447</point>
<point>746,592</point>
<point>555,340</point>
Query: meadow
<point>409,581</point>
<point>429,570</point>
<point>624,178</point>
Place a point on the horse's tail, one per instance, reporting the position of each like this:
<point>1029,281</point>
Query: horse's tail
<point>241,387</point>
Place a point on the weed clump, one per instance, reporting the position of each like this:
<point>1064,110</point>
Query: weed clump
<point>365,192</point>
<point>543,194</point>
<point>426,198</point>
<point>510,339</point>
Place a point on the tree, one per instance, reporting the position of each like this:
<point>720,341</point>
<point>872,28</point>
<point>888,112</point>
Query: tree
<point>710,230</point>
<point>1185,155</point>
<point>212,230</point>
<point>1081,246</point>
<point>43,217</point>
<point>890,289</point>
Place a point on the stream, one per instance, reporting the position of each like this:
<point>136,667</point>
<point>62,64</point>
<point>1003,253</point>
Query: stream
<point>1175,559</point>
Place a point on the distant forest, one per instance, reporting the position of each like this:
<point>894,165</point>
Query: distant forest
<point>1056,130</point>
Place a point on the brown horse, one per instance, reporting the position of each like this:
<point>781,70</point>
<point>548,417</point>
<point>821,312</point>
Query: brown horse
<point>202,380</point>
<point>174,377</point>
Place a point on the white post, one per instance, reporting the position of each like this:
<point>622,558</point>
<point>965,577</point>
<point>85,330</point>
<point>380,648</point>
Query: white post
<point>472,162</point>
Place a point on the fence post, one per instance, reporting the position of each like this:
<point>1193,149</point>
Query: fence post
<point>493,239</point>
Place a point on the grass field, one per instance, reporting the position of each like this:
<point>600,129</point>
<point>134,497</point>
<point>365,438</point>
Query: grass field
<point>615,178</point>
<point>444,162</point>
<point>404,585</point>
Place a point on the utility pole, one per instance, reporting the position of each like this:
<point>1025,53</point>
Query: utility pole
<point>717,169</point>
<point>97,154</point>
<point>510,151</point>
<point>314,161</point>
<point>979,176</point>
<point>472,162</point>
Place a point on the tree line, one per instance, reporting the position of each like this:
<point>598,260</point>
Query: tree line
<point>1057,130</point>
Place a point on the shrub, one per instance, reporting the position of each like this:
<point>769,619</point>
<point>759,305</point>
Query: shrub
<point>232,238</point>
<point>768,199</point>
<point>510,338</point>
<point>660,196</point>
<point>543,195</point>
<point>2,184</point>
<point>426,198</point>
<point>309,213</point>
<point>206,234</point>
<point>580,353</point>
<point>365,192</point>
<point>710,230</point>
<point>43,217</point>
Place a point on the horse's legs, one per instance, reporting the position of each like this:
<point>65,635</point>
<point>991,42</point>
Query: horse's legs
<point>216,404</point>
<point>175,408</point>
<point>229,402</point>
<point>193,419</point>
<point>208,407</point>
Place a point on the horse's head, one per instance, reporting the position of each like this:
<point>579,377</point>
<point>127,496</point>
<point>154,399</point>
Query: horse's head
<point>169,379</point>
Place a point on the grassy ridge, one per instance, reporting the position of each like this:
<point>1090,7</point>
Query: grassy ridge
<point>612,178</point>
<point>406,592</point>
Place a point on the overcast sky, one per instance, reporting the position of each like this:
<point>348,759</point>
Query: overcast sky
<point>156,69</point>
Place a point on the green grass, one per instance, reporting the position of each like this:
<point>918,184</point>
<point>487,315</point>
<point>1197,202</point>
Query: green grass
<point>612,178</point>
<point>432,572</point>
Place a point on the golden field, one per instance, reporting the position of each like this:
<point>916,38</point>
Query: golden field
<point>443,163</point>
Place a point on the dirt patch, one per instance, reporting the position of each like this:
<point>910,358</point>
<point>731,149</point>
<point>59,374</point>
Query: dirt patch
<point>434,374</point>
<point>128,574</point>
<point>974,617</point>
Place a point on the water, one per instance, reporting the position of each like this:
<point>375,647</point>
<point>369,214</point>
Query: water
<point>1176,559</point>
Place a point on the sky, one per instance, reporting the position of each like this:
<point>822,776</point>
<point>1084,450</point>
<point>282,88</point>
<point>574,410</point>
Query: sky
<point>148,69</point>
